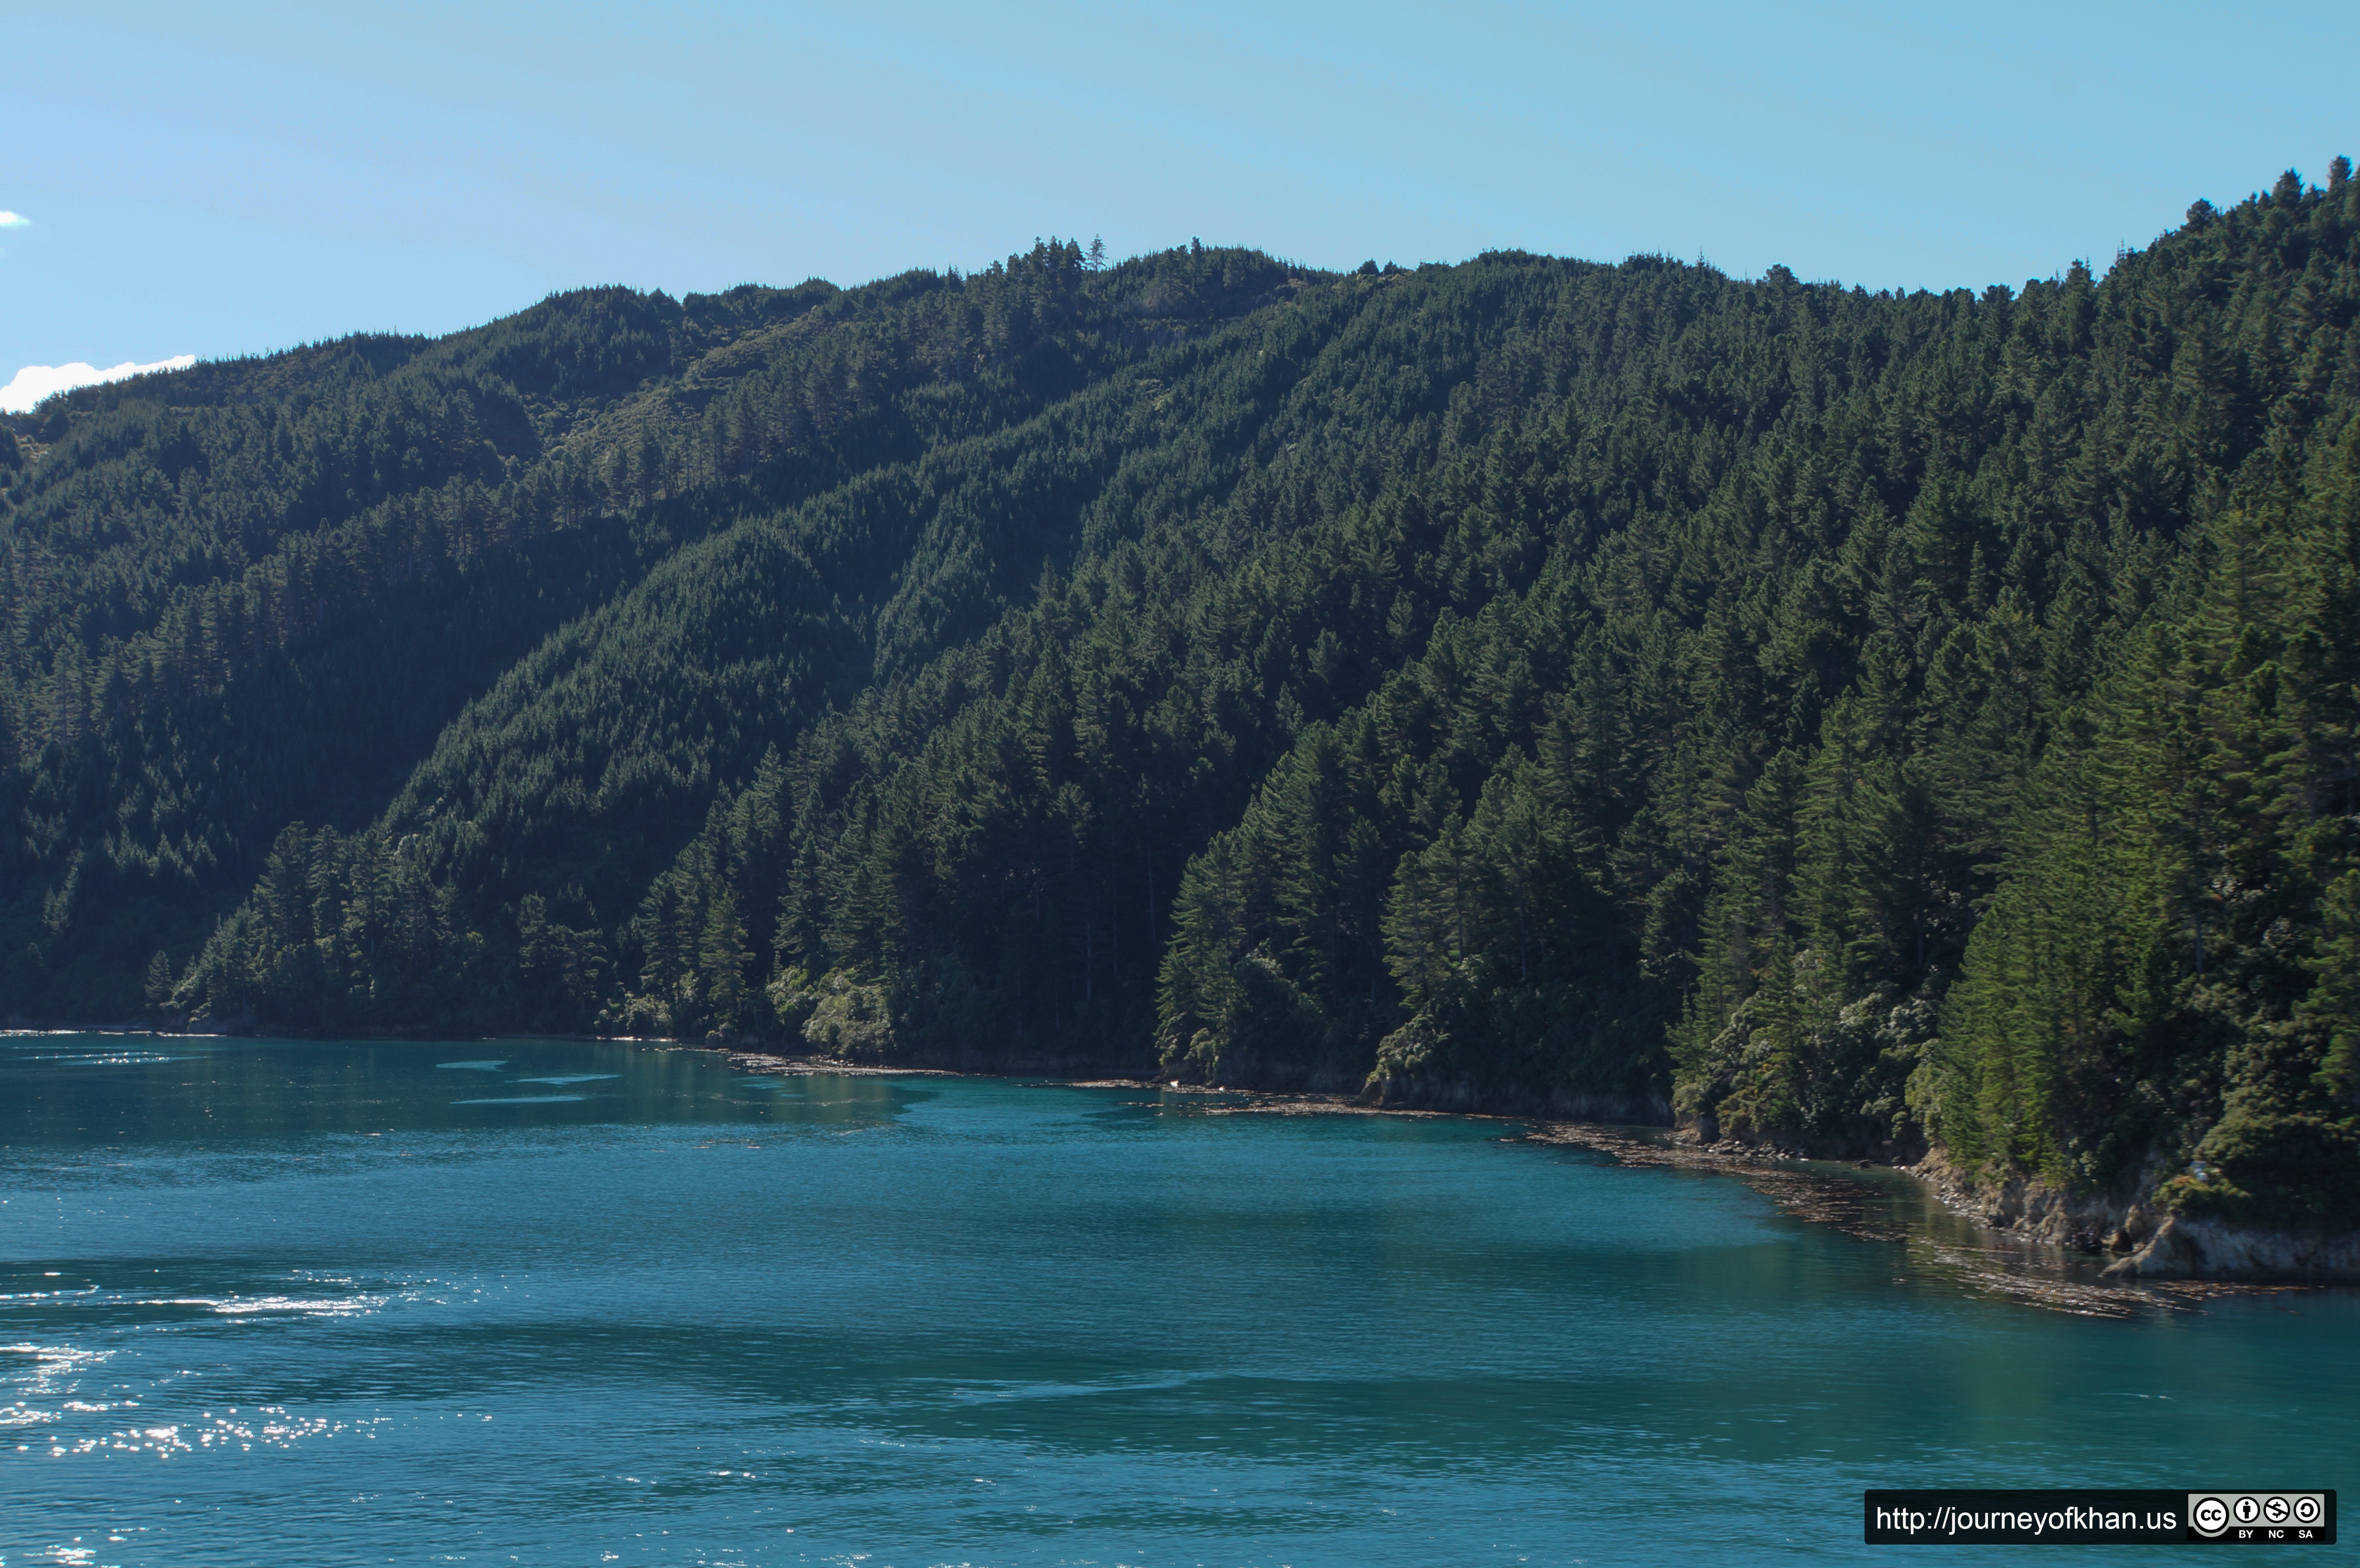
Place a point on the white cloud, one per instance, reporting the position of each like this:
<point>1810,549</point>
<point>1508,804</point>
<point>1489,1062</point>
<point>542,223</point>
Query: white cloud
<point>36,382</point>
<point>15,221</point>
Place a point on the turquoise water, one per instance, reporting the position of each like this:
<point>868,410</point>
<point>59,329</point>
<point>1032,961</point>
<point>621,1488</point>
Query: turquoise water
<point>562,1302</point>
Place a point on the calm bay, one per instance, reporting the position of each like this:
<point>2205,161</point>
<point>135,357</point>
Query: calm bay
<point>565,1302</point>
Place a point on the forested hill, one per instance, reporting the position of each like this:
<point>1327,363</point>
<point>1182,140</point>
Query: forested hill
<point>1844,721</point>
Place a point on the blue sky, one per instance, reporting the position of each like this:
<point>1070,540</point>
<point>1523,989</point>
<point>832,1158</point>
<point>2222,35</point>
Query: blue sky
<point>238,178</point>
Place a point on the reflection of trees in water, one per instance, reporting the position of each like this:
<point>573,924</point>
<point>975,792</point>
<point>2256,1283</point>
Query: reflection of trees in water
<point>219,1092</point>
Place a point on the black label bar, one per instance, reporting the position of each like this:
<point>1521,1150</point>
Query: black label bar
<point>2196,1516</point>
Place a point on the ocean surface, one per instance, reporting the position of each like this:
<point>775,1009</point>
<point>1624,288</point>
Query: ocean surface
<point>563,1302</point>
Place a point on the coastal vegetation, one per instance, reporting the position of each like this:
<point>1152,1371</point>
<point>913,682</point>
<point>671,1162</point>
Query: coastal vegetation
<point>1850,722</point>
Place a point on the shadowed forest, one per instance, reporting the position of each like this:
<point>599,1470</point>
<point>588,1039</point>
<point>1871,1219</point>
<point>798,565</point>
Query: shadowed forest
<point>1850,722</point>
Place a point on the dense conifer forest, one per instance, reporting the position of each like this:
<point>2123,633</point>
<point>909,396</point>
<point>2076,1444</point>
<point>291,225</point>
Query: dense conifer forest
<point>1851,722</point>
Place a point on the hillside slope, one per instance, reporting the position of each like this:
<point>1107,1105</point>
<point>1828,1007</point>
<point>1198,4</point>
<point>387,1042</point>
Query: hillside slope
<point>1850,722</point>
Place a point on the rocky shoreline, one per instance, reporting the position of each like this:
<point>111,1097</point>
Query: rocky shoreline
<point>2024,1239</point>
<point>2144,1242</point>
<point>2124,1242</point>
<point>2039,1263</point>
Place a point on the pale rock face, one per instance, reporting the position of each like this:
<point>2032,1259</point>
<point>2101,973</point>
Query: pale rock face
<point>2152,1246</point>
<point>2200,1248</point>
